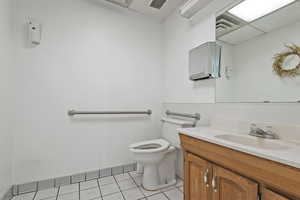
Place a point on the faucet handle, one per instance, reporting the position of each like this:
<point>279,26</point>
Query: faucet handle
<point>269,127</point>
<point>270,131</point>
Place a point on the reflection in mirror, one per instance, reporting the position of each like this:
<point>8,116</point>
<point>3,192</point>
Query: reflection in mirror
<point>248,51</point>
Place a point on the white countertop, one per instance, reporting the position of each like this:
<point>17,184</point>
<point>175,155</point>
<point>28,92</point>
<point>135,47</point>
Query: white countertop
<point>288,156</point>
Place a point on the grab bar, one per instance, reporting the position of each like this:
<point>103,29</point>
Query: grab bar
<point>195,116</point>
<point>75,112</point>
<point>182,123</point>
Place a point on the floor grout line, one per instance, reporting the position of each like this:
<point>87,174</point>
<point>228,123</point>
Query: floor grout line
<point>106,183</point>
<point>154,194</point>
<point>25,193</point>
<point>113,192</point>
<point>139,187</point>
<point>70,182</point>
<point>34,195</point>
<point>133,180</point>
<point>37,186</point>
<point>119,188</point>
<point>79,190</point>
<point>99,188</point>
<point>129,178</point>
<point>166,195</point>
<point>57,193</point>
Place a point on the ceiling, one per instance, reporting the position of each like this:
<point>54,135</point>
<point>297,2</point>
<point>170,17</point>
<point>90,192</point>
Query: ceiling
<point>282,17</point>
<point>142,6</point>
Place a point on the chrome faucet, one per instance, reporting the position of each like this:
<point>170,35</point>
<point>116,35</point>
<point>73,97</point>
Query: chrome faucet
<point>258,132</point>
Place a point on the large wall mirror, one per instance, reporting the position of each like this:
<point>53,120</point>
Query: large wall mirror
<point>250,40</point>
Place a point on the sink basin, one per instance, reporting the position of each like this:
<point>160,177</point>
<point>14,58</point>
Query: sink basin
<point>253,142</point>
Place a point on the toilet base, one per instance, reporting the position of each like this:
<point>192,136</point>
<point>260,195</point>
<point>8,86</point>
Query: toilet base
<point>159,187</point>
<point>139,168</point>
<point>158,176</point>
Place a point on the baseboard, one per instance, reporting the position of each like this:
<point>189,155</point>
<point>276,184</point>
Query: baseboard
<point>67,180</point>
<point>8,195</point>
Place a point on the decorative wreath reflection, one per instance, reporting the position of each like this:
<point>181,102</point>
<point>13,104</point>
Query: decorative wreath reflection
<point>279,62</point>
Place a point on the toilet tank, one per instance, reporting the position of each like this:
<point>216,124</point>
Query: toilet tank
<point>170,133</point>
<point>205,61</point>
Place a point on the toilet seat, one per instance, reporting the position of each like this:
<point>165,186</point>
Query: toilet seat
<point>150,146</point>
<point>156,160</point>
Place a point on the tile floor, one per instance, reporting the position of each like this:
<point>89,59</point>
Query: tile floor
<point>119,187</point>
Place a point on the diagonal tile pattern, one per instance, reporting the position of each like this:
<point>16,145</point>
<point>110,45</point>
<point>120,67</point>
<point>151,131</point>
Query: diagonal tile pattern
<point>125,186</point>
<point>88,184</point>
<point>46,194</point>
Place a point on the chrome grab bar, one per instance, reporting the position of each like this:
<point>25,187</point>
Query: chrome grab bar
<point>195,116</point>
<point>75,112</point>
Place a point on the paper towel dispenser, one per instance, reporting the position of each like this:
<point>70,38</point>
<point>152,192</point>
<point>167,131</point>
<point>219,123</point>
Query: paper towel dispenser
<point>205,61</point>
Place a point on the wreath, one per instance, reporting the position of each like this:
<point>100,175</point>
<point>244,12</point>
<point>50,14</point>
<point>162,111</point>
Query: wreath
<point>280,58</point>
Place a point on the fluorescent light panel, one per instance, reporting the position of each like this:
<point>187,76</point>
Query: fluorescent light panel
<point>250,10</point>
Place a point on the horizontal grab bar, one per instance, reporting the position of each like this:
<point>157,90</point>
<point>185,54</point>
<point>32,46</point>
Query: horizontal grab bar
<point>195,116</point>
<point>179,122</point>
<point>74,112</point>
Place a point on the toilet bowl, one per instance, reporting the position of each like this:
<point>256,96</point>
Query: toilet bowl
<point>156,159</point>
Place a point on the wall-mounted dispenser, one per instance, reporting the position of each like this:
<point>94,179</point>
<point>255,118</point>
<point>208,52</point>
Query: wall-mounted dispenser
<point>205,61</point>
<point>34,33</point>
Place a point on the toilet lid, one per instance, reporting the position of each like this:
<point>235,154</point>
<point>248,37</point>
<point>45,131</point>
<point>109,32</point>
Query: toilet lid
<point>150,146</point>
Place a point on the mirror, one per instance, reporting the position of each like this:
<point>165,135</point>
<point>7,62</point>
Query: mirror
<point>248,57</point>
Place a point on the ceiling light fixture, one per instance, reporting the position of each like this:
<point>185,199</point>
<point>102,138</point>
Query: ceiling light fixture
<point>250,10</point>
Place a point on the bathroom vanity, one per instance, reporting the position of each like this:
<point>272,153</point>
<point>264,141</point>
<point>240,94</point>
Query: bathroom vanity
<point>219,169</point>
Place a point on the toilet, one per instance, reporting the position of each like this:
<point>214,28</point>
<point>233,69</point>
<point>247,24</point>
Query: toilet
<point>156,160</point>
<point>161,160</point>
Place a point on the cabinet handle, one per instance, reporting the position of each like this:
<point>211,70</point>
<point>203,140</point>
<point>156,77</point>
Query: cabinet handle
<point>206,178</point>
<point>214,184</point>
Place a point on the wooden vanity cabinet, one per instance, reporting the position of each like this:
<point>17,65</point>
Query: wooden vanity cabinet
<point>227,185</point>
<point>214,172</point>
<point>206,181</point>
<point>197,178</point>
<point>270,195</point>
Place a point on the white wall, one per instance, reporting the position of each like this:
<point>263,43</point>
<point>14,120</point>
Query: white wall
<point>180,36</point>
<point>92,57</point>
<point>6,92</point>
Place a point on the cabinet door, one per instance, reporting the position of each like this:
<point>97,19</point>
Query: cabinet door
<point>269,195</point>
<point>227,185</point>
<point>198,173</point>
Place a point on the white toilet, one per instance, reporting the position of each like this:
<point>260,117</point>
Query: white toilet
<point>161,160</point>
<point>156,159</point>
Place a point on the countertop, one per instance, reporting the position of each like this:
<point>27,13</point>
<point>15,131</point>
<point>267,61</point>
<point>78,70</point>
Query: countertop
<point>288,156</point>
